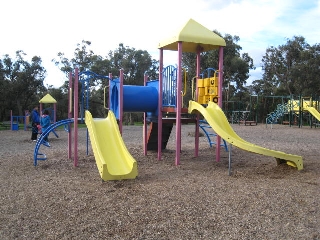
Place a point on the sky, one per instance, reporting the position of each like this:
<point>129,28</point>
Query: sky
<point>44,28</point>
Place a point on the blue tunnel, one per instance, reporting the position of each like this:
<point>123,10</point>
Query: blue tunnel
<point>135,98</point>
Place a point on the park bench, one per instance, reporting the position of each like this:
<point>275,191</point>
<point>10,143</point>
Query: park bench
<point>6,124</point>
<point>248,122</point>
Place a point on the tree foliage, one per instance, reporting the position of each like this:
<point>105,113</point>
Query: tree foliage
<point>135,63</point>
<point>290,69</point>
<point>20,84</point>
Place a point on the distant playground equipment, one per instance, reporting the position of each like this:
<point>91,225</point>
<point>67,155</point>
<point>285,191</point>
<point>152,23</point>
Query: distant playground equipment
<point>294,111</point>
<point>15,120</point>
<point>242,113</point>
<point>161,102</point>
<point>48,99</point>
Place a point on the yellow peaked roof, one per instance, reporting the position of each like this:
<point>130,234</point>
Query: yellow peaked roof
<point>193,35</point>
<point>47,99</point>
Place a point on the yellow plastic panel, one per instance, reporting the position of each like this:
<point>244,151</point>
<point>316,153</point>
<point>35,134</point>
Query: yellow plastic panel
<point>201,92</point>
<point>200,83</point>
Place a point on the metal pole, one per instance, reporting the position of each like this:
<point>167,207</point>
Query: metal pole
<point>70,116</point>
<point>220,98</point>
<point>145,127</point>
<point>178,105</point>
<point>160,105</point>
<point>230,149</point>
<point>75,113</point>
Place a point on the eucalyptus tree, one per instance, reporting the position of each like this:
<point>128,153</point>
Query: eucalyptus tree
<point>292,68</point>
<point>21,83</point>
<point>135,64</point>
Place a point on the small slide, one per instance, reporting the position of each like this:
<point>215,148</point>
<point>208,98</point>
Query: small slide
<point>113,160</point>
<point>219,123</point>
<point>314,112</point>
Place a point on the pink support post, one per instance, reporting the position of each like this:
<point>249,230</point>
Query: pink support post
<point>219,99</point>
<point>75,113</point>
<point>160,105</point>
<point>196,142</point>
<point>121,101</point>
<point>70,116</point>
<point>145,127</point>
<point>179,105</point>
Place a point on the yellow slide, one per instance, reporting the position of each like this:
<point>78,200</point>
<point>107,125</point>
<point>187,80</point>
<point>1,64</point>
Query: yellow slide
<point>219,123</point>
<point>314,112</point>
<point>113,160</point>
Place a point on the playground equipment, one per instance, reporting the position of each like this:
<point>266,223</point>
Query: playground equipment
<point>13,124</point>
<point>294,109</point>
<point>113,160</point>
<point>15,120</point>
<point>49,99</point>
<point>42,156</point>
<point>169,101</point>
<point>205,126</point>
<point>242,112</point>
<point>218,121</point>
<point>274,116</point>
<point>161,102</point>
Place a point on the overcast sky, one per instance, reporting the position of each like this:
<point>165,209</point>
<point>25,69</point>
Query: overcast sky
<point>44,27</point>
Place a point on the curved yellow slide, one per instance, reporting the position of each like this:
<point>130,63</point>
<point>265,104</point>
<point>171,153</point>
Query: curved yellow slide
<point>314,112</point>
<point>113,159</point>
<point>219,123</point>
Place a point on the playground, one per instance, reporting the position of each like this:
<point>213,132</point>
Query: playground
<point>194,200</point>
<point>161,180</point>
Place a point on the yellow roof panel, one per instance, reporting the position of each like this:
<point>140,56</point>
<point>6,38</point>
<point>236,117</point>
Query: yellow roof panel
<point>193,35</point>
<point>47,99</point>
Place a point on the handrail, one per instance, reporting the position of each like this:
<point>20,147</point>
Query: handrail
<point>185,82</point>
<point>192,88</point>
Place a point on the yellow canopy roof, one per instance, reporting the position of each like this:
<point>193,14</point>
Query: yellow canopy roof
<point>193,35</point>
<point>47,99</point>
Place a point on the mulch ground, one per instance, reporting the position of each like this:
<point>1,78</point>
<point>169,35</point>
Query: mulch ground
<point>195,200</point>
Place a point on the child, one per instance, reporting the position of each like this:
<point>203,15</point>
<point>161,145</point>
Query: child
<point>35,121</point>
<point>45,123</point>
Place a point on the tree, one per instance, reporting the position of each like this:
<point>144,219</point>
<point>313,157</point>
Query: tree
<point>292,68</point>
<point>135,64</point>
<point>22,82</point>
